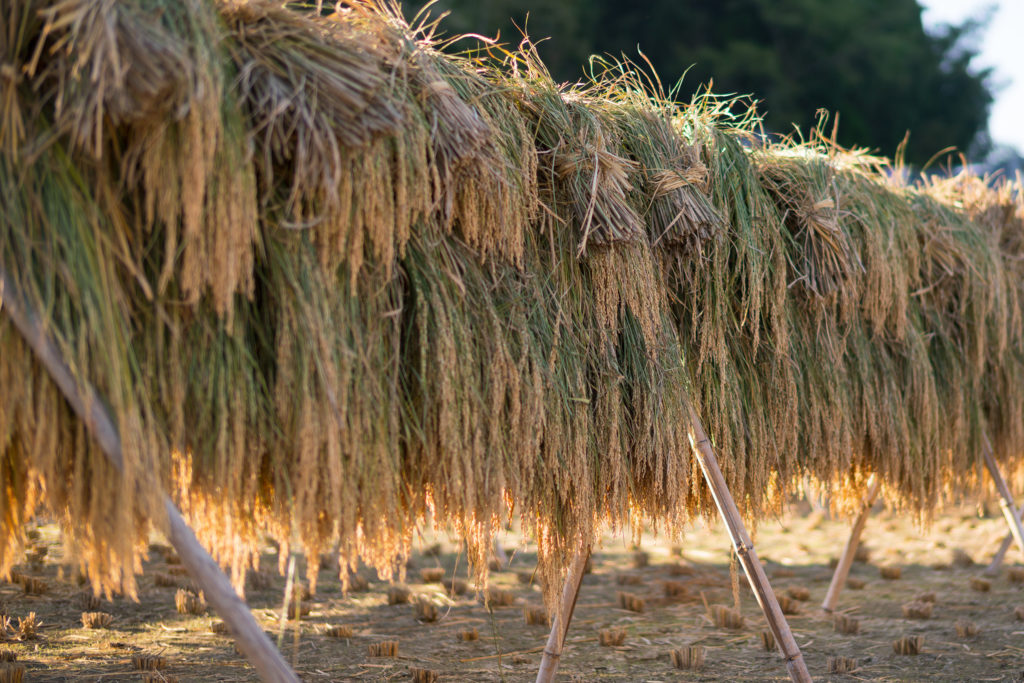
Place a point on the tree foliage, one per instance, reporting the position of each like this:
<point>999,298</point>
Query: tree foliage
<point>870,61</point>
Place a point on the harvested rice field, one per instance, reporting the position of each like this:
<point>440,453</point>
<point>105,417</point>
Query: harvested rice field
<point>678,594</point>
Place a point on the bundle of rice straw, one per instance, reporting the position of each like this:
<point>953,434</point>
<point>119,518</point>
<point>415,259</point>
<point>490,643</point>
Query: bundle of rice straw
<point>332,282</point>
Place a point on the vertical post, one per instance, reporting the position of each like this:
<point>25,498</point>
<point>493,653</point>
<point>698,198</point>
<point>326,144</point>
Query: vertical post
<point>745,551</point>
<point>85,401</point>
<point>846,559</point>
<point>560,624</point>
<point>1005,497</point>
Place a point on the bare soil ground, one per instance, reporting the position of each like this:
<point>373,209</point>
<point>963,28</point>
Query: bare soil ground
<point>796,549</point>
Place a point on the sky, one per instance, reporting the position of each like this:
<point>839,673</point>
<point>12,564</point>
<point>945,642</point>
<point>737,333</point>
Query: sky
<point>1002,47</point>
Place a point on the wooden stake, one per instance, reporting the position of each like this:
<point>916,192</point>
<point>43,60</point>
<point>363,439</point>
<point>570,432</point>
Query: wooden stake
<point>89,407</point>
<point>846,559</point>
<point>1010,512</point>
<point>997,560</point>
<point>745,551</point>
<point>560,625</point>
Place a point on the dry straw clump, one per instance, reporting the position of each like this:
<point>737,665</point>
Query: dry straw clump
<point>358,583</point>
<point>187,602</point>
<point>918,610</point>
<point>399,595</point>
<point>787,604</point>
<point>767,639</point>
<point>469,635</point>
<point>536,616</point>
<point>385,648</point>
<point>96,619</point>
<point>846,625</point>
<point>630,602</point>
<point>726,617</point>
<point>675,589</point>
<point>680,569</point>
<point>961,559</point>
<point>432,574</point>
<point>424,675</point>
<point>28,627</point>
<point>143,662</point>
<point>981,585</point>
<point>855,584</point>
<point>332,282</point>
<point>890,573</point>
<point>689,658</point>
<point>159,677</point>
<point>499,597</point>
<point>342,631</point>
<point>87,601</point>
<point>12,673</point>
<point>966,628</point>
<point>1015,574</point>
<point>425,610</point>
<point>801,593</point>
<point>841,665</point>
<point>908,645</point>
<point>611,637</point>
<point>163,580</point>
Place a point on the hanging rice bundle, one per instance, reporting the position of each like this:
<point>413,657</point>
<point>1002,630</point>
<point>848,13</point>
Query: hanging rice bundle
<point>158,80</point>
<point>672,190</point>
<point>823,261</point>
<point>48,217</point>
<point>581,166</point>
<point>319,98</point>
<point>332,283</point>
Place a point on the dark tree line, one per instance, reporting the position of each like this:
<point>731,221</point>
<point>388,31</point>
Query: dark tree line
<point>869,60</point>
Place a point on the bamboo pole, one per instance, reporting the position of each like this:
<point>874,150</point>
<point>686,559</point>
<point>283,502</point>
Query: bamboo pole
<point>90,408</point>
<point>997,560</point>
<point>556,639</point>
<point>846,559</point>
<point>1010,512</point>
<point>744,548</point>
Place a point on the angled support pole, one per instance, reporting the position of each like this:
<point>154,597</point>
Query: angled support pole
<point>84,400</point>
<point>997,560</point>
<point>1010,512</point>
<point>744,548</point>
<point>560,624</point>
<point>850,551</point>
